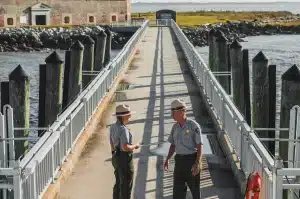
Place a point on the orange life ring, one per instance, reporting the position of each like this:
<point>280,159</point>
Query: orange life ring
<point>253,186</point>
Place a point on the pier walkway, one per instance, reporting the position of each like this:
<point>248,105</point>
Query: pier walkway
<point>72,159</point>
<point>158,75</point>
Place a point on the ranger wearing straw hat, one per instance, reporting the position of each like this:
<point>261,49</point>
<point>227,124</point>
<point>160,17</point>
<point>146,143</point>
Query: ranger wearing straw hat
<point>122,149</point>
<point>186,141</point>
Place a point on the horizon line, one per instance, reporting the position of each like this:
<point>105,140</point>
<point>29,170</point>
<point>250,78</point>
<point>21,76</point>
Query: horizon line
<point>215,2</point>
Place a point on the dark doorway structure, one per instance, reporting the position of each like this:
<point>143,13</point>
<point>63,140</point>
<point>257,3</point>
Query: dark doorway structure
<point>166,14</point>
<point>40,19</point>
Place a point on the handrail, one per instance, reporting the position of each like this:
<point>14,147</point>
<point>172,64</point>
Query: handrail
<point>249,149</point>
<point>41,163</point>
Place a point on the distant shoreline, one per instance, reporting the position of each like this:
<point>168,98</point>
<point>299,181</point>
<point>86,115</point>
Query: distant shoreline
<point>291,6</point>
<point>231,2</point>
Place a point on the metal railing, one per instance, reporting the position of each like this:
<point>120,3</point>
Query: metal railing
<point>251,153</point>
<point>33,174</point>
<point>129,23</point>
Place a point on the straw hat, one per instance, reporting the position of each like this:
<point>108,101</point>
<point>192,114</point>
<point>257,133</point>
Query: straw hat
<point>178,105</point>
<point>123,110</point>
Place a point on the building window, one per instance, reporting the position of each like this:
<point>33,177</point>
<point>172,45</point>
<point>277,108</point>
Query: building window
<point>91,19</point>
<point>66,19</point>
<point>114,18</point>
<point>10,21</point>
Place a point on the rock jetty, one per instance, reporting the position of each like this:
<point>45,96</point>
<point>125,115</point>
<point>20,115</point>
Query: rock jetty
<point>236,30</point>
<point>37,39</point>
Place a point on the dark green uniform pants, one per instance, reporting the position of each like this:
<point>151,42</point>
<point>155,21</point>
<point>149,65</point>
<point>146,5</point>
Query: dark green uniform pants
<point>126,174</point>
<point>115,163</point>
<point>183,174</point>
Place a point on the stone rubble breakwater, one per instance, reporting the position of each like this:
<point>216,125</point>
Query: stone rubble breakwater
<point>26,39</point>
<point>236,30</point>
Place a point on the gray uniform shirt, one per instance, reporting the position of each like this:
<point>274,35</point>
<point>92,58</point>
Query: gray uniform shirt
<point>119,135</point>
<point>125,136</point>
<point>186,138</point>
<point>114,134</point>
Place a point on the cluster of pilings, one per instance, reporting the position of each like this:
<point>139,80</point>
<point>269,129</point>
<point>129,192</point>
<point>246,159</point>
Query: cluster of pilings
<point>230,60</point>
<point>60,83</point>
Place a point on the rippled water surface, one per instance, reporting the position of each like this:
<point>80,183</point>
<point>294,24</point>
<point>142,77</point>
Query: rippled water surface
<point>30,62</point>
<point>283,51</point>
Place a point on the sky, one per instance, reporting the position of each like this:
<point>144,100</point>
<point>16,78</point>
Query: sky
<point>211,1</point>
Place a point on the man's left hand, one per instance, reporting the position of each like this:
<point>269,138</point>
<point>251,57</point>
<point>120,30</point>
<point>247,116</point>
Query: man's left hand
<point>196,169</point>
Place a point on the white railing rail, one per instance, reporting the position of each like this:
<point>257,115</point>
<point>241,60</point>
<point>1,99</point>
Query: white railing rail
<point>252,154</point>
<point>41,164</point>
<point>31,176</point>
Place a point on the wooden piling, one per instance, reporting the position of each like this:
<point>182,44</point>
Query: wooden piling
<point>272,105</point>
<point>229,69</point>
<point>211,48</point>
<point>4,94</point>
<point>222,61</point>
<point>237,75</point>
<point>260,94</point>
<point>66,78</point>
<point>247,106</point>
<point>215,62</point>
<point>42,98</point>
<point>88,60</point>
<point>290,96</point>
<point>107,47</point>
<point>53,89</point>
<point>19,99</point>
<point>100,51</point>
<point>75,73</point>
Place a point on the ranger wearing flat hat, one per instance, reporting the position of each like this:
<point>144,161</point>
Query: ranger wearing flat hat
<point>186,141</point>
<point>122,149</point>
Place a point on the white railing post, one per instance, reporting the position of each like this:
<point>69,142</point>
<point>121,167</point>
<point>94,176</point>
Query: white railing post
<point>3,151</point>
<point>277,179</point>
<point>17,181</point>
<point>9,118</point>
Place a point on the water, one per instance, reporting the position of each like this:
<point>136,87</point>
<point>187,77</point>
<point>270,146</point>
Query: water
<point>281,51</point>
<point>30,63</point>
<point>273,6</point>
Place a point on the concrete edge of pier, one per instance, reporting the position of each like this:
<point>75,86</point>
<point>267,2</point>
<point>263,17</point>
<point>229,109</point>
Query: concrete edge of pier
<point>90,127</point>
<point>224,141</point>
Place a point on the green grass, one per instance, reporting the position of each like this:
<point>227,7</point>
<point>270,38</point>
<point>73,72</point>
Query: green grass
<point>209,17</point>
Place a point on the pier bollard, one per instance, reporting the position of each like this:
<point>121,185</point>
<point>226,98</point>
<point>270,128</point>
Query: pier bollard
<point>88,60</point>
<point>100,51</point>
<point>211,48</point>
<point>19,100</point>
<point>247,106</point>
<point>237,75</point>
<point>4,94</point>
<point>42,98</point>
<point>107,47</point>
<point>290,96</point>
<point>229,69</point>
<point>222,61</point>
<point>75,73</point>
<point>272,105</point>
<point>260,94</point>
<point>66,78</point>
<point>53,89</point>
<point>215,62</point>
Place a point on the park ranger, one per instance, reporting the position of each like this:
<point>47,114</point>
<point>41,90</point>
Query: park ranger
<point>122,149</point>
<point>186,141</point>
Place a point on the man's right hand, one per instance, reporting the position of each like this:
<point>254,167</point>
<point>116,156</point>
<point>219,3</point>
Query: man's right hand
<point>137,146</point>
<point>166,166</point>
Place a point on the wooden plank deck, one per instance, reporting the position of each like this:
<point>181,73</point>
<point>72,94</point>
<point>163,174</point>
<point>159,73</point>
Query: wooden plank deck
<point>157,76</point>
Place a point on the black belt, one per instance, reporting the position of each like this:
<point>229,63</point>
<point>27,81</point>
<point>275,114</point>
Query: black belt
<point>118,151</point>
<point>186,155</point>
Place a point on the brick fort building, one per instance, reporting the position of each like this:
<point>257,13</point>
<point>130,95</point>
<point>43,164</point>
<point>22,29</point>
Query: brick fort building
<point>15,13</point>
